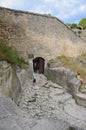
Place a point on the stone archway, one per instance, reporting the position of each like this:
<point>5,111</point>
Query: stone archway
<point>38,65</point>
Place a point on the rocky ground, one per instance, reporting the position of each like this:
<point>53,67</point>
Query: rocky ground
<point>46,99</point>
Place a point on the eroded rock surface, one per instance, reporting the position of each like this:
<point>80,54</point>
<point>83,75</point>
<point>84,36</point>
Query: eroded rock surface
<point>9,81</point>
<point>48,99</point>
<point>44,105</point>
<point>65,78</point>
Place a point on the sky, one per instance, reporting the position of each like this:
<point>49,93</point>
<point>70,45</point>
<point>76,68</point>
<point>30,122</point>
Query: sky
<point>68,11</point>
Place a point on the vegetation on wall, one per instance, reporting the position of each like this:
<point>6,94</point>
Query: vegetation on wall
<point>81,23</point>
<point>48,14</point>
<point>11,56</point>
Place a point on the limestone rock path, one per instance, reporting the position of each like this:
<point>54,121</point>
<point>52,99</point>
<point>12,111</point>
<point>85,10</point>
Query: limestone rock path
<point>46,99</point>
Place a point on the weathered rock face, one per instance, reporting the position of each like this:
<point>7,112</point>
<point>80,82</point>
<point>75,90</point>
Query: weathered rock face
<point>9,82</point>
<point>24,75</point>
<point>13,118</point>
<point>40,35</point>
<point>48,99</point>
<point>65,78</point>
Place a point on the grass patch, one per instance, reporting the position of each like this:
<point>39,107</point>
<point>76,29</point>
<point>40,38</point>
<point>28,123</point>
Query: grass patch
<point>11,56</point>
<point>82,57</point>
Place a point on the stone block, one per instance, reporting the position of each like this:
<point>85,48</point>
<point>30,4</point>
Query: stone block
<point>81,99</point>
<point>65,78</point>
<point>73,86</point>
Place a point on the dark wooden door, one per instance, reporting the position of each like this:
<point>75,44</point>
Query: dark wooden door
<point>41,65</point>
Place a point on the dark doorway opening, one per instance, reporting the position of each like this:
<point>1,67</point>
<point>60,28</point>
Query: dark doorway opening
<point>38,65</point>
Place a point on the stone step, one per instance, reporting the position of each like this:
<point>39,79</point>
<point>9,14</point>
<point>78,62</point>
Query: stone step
<point>81,99</point>
<point>83,90</point>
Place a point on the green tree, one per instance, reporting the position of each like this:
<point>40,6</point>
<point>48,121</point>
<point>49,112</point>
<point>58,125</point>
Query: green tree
<point>68,24</point>
<point>74,25</point>
<point>83,23</point>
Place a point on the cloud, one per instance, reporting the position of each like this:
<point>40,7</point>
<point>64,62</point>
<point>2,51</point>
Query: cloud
<point>8,3</point>
<point>12,3</point>
<point>49,1</point>
<point>65,10</point>
<point>41,10</point>
<point>83,8</point>
<point>69,10</point>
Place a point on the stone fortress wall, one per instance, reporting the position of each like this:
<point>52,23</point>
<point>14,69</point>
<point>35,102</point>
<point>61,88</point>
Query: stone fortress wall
<point>40,35</point>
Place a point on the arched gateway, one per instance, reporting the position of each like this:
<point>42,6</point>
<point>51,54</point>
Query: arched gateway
<point>38,64</point>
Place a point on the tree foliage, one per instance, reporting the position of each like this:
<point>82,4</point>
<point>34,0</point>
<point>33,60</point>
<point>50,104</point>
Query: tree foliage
<point>83,23</point>
<point>72,24</point>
